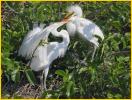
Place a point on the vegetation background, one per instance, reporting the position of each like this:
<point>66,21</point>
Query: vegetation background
<point>73,76</point>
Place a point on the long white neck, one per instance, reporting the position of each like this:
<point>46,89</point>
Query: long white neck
<point>64,34</point>
<point>71,25</point>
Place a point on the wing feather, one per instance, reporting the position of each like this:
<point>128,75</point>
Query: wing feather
<point>41,59</point>
<point>90,28</point>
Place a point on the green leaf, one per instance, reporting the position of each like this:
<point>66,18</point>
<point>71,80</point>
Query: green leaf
<point>60,72</point>
<point>69,86</point>
<point>15,76</point>
<point>109,95</point>
<point>70,76</point>
<point>84,69</point>
<point>75,44</point>
<point>30,76</point>
<point>116,24</point>
<point>117,96</point>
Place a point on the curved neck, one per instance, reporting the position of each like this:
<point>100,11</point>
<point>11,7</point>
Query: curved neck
<point>64,34</point>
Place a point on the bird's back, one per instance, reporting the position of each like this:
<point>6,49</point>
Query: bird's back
<point>85,26</point>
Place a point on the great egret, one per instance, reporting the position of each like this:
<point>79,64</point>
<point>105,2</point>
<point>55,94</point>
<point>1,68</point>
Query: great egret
<point>43,54</point>
<point>86,28</point>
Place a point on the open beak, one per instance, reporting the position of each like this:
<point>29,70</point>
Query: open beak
<point>68,16</point>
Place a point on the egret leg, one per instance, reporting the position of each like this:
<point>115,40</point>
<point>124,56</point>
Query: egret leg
<point>45,76</point>
<point>95,48</point>
<point>42,80</point>
<point>94,40</point>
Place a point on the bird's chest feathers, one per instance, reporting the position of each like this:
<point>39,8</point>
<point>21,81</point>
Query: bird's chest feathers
<point>71,28</point>
<point>79,26</point>
<point>61,52</point>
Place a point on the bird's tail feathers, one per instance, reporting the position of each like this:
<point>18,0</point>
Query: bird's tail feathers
<point>99,34</point>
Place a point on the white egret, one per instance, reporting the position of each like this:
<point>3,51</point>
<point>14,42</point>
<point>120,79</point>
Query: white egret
<point>43,54</point>
<point>86,28</point>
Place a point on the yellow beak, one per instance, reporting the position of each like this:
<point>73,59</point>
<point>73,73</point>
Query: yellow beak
<point>68,15</point>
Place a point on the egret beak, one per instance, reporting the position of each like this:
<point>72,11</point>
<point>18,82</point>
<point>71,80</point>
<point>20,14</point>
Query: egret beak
<point>68,16</point>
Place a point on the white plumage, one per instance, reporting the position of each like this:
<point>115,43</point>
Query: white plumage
<point>86,28</point>
<point>31,41</point>
<point>76,9</point>
<point>43,55</point>
<point>47,53</point>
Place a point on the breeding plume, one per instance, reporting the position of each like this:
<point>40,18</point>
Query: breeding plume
<point>86,28</point>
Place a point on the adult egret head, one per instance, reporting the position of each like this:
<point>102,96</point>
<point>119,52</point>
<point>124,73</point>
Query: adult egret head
<point>75,10</point>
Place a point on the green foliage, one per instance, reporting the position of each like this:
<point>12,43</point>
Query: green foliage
<point>67,89</point>
<point>68,86</point>
<point>108,76</point>
<point>30,76</point>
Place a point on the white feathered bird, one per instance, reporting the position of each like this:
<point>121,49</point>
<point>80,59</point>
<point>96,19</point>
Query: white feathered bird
<point>86,28</point>
<point>43,55</point>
